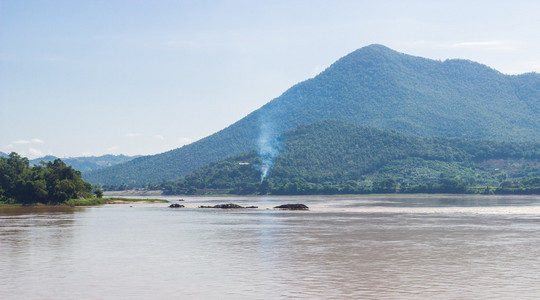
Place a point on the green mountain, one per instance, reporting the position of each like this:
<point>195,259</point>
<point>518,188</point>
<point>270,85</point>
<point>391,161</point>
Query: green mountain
<point>373,86</point>
<point>340,157</point>
<point>87,163</point>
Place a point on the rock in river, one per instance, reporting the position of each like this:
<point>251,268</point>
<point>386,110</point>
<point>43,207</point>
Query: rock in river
<point>226,206</point>
<point>176,205</point>
<point>297,206</point>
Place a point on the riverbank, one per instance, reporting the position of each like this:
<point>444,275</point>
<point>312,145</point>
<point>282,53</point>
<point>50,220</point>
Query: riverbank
<point>133,192</point>
<point>89,202</point>
<point>120,200</point>
<point>72,202</point>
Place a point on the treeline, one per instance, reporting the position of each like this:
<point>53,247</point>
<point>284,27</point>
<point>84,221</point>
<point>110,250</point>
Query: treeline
<point>335,157</point>
<point>51,183</point>
<point>299,186</point>
<point>241,175</point>
<point>526,187</point>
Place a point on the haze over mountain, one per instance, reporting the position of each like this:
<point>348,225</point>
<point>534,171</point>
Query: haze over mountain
<point>373,86</point>
<point>88,163</point>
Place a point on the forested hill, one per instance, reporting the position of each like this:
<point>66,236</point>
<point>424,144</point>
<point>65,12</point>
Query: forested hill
<point>339,157</point>
<point>373,86</point>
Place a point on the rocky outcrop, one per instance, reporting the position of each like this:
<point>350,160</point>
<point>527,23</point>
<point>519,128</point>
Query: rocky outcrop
<point>227,206</point>
<point>176,205</point>
<point>297,206</point>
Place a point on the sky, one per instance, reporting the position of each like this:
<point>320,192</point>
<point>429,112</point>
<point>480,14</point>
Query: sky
<point>83,78</point>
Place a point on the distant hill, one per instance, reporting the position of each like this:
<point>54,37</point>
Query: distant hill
<point>336,156</point>
<point>88,163</point>
<point>2,154</point>
<point>373,86</point>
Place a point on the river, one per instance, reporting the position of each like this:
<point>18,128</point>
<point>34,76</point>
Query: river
<point>344,247</point>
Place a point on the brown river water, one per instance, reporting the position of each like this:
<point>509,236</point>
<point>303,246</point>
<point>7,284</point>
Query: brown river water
<point>345,247</point>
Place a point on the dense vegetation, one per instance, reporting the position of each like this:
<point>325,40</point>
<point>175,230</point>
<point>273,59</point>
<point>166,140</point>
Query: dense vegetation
<point>529,186</point>
<point>51,183</point>
<point>330,157</point>
<point>373,86</point>
<point>87,163</point>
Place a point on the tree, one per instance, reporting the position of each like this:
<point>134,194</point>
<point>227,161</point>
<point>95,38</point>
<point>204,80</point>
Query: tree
<point>388,185</point>
<point>266,187</point>
<point>98,193</point>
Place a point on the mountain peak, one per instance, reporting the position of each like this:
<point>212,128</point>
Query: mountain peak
<point>377,47</point>
<point>373,50</point>
<point>373,57</point>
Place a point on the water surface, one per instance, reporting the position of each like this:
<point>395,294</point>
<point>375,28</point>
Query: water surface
<point>383,247</point>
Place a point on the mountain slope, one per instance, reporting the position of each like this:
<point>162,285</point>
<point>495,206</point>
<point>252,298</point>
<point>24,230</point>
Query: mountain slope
<point>337,154</point>
<point>373,86</point>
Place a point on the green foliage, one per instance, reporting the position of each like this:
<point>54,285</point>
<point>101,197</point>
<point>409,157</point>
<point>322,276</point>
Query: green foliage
<point>52,183</point>
<point>377,87</point>
<point>415,171</point>
<point>98,193</point>
<point>528,186</point>
<point>238,174</point>
<point>336,157</point>
<point>84,202</point>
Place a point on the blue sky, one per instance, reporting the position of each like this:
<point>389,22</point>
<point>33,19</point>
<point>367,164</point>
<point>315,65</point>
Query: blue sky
<point>82,78</point>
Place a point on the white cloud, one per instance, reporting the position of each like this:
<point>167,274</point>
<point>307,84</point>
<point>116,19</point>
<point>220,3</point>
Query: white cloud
<point>21,142</point>
<point>10,146</point>
<point>32,141</point>
<point>133,134</point>
<point>159,137</point>
<point>184,141</point>
<point>113,148</point>
<point>34,152</point>
<point>317,70</point>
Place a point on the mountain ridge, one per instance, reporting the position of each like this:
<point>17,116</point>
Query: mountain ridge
<point>87,163</point>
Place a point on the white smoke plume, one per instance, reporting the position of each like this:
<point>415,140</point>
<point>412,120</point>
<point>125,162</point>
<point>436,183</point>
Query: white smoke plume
<point>268,146</point>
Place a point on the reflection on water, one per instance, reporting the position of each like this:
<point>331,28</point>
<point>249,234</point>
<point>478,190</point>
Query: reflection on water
<point>345,247</point>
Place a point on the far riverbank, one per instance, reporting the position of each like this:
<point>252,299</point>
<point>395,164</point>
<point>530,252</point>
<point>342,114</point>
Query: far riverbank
<point>133,192</point>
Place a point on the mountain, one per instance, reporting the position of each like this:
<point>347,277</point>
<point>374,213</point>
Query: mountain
<point>336,156</point>
<point>47,158</point>
<point>372,86</point>
<point>2,154</point>
<point>88,163</point>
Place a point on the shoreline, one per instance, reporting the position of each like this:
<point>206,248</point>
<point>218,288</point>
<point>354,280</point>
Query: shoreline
<point>87,202</point>
<point>133,193</point>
